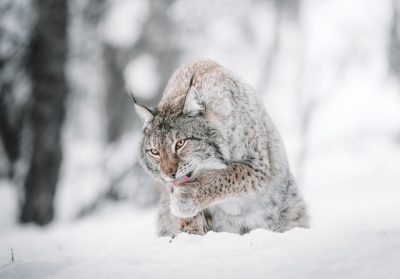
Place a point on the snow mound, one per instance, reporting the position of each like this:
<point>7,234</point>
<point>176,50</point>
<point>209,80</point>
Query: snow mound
<point>121,243</point>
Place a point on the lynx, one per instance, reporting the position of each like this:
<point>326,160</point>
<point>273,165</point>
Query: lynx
<point>219,157</point>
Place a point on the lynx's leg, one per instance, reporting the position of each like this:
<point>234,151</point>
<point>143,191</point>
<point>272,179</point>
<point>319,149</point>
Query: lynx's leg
<point>169,225</point>
<point>199,224</point>
<point>294,213</point>
<point>191,198</point>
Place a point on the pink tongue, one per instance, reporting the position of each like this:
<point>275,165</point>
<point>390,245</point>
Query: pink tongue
<point>181,180</point>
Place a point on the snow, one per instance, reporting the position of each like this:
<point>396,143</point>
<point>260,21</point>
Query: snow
<point>8,205</point>
<point>120,243</point>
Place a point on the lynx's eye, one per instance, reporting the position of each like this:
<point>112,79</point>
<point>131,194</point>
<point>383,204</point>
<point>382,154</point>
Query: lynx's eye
<point>180,144</point>
<point>154,152</point>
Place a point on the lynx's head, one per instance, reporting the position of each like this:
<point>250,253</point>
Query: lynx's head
<point>178,140</point>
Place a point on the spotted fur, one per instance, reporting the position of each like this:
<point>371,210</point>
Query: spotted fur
<point>239,174</point>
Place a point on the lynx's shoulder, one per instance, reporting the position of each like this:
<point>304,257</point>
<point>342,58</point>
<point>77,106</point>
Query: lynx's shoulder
<point>187,75</point>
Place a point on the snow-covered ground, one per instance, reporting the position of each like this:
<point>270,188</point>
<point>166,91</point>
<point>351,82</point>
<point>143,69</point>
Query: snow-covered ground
<point>355,233</point>
<point>123,248</point>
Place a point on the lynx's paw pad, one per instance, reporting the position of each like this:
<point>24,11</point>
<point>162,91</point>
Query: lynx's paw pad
<point>182,202</point>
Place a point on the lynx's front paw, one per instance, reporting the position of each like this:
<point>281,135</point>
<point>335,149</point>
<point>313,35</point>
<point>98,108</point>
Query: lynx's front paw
<point>183,201</point>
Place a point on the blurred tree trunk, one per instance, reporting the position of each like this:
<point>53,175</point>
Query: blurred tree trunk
<point>119,111</point>
<point>10,126</point>
<point>394,43</point>
<point>14,89</point>
<point>47,57</point>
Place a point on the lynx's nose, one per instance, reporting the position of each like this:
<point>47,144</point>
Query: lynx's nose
<point>171,175</point>
<point>168,164</point>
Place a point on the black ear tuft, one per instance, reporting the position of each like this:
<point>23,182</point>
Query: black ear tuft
<point>144,113</point>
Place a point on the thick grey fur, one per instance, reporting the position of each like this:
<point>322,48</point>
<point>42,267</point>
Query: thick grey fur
<point>240,177</point>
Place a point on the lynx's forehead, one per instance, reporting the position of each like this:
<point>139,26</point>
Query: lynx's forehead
<point>161,137</point>
<point>164,132</point>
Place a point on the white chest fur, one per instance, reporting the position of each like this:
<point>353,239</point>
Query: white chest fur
<point>236,214</point>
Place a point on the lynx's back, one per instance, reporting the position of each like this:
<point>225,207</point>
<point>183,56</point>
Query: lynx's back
<point>231,154</point>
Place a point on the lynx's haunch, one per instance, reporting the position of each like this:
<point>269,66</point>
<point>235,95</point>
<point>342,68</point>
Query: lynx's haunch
<point>211,138</point>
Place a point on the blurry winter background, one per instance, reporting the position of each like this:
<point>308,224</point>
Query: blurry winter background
<point>74,203</point>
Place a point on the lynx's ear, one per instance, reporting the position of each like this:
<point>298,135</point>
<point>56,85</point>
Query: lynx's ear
<point>193,104</point>
<point>144,113</point>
